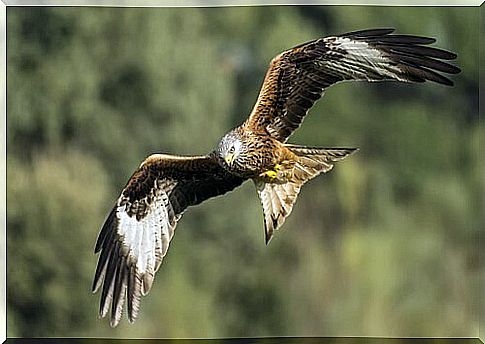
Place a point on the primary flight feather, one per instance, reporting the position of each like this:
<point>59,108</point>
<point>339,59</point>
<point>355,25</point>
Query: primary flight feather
<point>137,232</point>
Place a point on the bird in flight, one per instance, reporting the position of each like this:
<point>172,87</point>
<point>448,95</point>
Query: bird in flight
<point>138,230</point>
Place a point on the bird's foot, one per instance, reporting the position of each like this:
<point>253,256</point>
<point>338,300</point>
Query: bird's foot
<point>274,175</point>
<point>270,174</point>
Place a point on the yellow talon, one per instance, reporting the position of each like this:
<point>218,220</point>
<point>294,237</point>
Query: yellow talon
<point>271,174</point>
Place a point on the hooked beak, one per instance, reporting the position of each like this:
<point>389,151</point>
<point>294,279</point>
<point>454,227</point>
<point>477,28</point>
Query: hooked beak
<point>229,158</point>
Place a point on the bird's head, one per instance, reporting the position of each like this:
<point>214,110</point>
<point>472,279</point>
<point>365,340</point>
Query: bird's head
<point>231,148</point>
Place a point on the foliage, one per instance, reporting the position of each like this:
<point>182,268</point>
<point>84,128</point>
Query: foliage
<point>385,245</point>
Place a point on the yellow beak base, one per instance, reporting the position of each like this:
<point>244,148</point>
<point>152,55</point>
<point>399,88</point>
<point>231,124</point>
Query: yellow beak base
<point>229,158</point>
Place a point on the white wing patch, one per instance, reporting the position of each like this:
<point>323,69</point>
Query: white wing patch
<point>146,240</point>
<point>364,62</point>
<point>136,234</point>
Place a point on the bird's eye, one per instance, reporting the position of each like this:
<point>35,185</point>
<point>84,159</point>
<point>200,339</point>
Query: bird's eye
<point>231,150</point>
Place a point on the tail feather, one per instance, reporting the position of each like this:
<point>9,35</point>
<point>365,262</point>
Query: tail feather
<point>329,154</point>
<point>278,199</point>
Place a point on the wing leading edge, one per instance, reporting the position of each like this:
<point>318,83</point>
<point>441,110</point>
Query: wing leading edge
<point>298,77</point>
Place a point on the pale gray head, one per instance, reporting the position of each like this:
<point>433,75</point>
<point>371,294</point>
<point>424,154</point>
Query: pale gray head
<point>231,148</point>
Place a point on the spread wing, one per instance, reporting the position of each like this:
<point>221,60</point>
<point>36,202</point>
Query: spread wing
<point>135,237</point>
<point>298,77</point>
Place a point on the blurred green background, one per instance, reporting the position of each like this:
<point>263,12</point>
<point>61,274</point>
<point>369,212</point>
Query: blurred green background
<point>384,245</point>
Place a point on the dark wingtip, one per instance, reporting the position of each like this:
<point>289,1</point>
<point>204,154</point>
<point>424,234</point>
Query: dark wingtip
<point>267,238</point>
<point>370,32</point>
<point>448,83</point>
<point>104,231</point>
<point>93,286</point>
<point>353,151</point>
<point>451,55</point>
<point>425,40</point>
<point>455,70</point>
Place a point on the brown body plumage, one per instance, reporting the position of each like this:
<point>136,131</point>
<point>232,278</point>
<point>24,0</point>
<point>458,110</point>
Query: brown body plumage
<point>136,235</point>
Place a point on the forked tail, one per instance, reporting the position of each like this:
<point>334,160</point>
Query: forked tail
<point>278,199</point>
